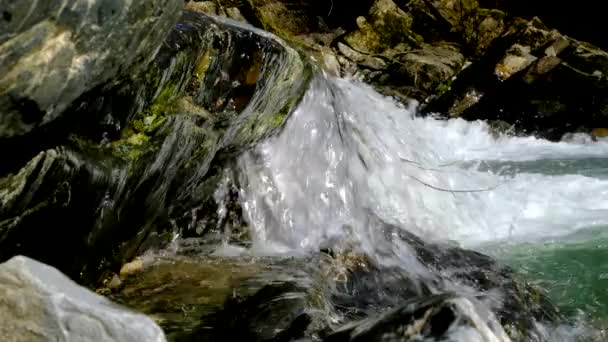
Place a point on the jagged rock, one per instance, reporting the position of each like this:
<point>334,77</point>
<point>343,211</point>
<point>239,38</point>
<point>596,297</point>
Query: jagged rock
<point>292,18</point>
<point>208,7</point>
<point>362,59</point>
<point>385,26</point>
<point>235,14</point>
<point>536,79</point>
<point>211,7</point>
<point>38,303</point>
<point>52,52</point>
<point>427,67</point>
<point>517,305</point>
<point>482,29</point>
<point>455,12</point>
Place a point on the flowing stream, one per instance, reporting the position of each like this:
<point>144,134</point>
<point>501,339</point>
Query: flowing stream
<point>348,154</point>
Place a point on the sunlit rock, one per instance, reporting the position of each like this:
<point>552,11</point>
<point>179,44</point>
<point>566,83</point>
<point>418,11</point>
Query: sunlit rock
<point>38,303</point>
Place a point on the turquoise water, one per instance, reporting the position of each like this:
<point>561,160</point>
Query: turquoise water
<point>573,269</point>
<point>588,167</point>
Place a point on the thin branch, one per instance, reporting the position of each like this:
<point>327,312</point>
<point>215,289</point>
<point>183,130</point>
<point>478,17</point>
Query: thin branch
<point>441,189</point>
<point>455,191</point>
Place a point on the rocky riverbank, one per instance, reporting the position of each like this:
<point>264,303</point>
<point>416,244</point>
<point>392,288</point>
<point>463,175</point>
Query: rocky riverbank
<point>469,59</point>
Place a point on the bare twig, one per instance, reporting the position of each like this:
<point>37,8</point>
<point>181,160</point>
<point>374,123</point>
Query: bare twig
<point>441,189</point>
<point>455,191</point>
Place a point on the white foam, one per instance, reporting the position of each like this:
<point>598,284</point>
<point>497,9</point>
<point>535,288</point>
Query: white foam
<point>347,151</point>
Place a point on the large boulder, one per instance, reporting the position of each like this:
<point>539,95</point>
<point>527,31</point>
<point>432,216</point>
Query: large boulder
<point>212,90</point>
<point>52,52</point>
<point>38,303</point>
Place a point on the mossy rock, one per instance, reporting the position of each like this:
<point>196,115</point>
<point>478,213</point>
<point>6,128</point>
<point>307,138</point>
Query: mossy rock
<point>385,26</point>
<point>119,188</point>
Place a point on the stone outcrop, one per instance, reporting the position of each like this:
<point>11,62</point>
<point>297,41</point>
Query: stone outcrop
<point>149,150</point>
<point>38,303</point>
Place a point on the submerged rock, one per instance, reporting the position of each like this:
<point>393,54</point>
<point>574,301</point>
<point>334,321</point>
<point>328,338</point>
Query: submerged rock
<point>518,306</point>
<point>437,317</point>
<point>276,312</point>
<point>38,303</point>
<point>211,298</point>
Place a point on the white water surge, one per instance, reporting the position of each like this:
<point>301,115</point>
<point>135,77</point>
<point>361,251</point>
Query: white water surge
<point>348,150</point>
<point>349,158</point>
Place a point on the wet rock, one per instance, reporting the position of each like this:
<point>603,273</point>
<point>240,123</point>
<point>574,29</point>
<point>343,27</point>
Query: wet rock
<point>147,160</point>
<point>208,298</point>
<point>599,133</point>
<point>114,282</point>
<point>518,306</point>
<point>52,186</point>
<point>53,52</point>
<point>277,312</point>
<point>435,317</point>
<point>131,268</point>
<point>39,303</point>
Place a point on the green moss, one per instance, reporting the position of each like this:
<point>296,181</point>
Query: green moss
<point>163,102</point>
<point>203,65</point>
<point>394,29</point>
<point>493,12</point>
<point>442,88</point>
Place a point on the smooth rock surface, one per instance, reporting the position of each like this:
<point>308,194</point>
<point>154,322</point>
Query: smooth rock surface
<point>38,303</point>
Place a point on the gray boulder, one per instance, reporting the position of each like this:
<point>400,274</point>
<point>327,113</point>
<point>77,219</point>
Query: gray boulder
<point>52,52</point>
<point>38,303</point>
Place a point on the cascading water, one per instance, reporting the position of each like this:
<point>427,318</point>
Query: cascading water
<point>349,159</point>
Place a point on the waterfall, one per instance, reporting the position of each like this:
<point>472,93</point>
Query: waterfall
<point>348,151</point>
<point>349,162</point>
